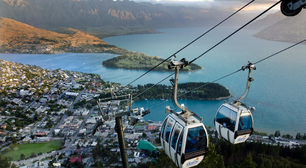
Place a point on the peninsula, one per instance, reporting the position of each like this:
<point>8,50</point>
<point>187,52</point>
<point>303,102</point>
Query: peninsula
<point>20,38</point>
<point>17,37</point>
<point>203,91</point>
<point>141,61</point>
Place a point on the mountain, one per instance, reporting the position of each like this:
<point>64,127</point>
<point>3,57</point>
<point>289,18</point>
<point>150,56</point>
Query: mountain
<point>289,29</point>
<point>269,20</point>
<point>105,15</point>
<point>17,35</point>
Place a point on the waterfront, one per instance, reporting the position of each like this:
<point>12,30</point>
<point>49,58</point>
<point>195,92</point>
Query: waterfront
<point>278,92</point>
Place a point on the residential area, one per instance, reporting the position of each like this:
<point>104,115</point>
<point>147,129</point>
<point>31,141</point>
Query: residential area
<point>58,110</point>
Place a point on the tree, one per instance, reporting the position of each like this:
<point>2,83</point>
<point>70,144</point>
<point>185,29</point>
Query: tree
<point>164,161</point>
<point>277,133</point>
<point>4,161</point>
<point>22,157</point>
<point>14,140</point>
<point>33,154</point>
<point>248,161</point>
<point>212,159</point>
<point>144,135</point>
<point>157,140</point>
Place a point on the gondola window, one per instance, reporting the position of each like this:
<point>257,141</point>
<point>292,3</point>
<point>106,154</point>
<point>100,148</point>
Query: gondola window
<point>227,118</point>
<point>177,130</point>
<point>179,145</point>
<point>162,130</point>
<point>170,123</point>
<point>245,123</point>
<point>196,139</point>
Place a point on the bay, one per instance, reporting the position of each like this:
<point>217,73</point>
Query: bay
<point>278,92</point>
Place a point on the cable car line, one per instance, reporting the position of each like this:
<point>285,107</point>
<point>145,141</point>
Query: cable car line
<point>211,82</point>
<point>211,29</point>
<point>225,76</point>
<point>280,51</point>
<point>191,42</point>
<point>234,121</point>
<point>217,43</point>
<point>183,135</point>
<point>235,31</point>
<point>153,85</point>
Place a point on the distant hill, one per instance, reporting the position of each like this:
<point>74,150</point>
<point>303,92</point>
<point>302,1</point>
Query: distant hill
<point>267,21</point>
<point>15,35</point>
<point>289,29</point>
<point>143,62</point>
<point>93,15</point>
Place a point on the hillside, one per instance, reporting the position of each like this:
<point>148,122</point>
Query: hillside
<point>142,62</point>
<point>20,37</point>
<point>290,29</point>
<point>99,16</point>
<point>212,91</point>
<point>269,20</point>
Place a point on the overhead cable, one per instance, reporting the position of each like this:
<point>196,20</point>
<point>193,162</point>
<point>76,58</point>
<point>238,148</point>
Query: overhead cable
<point>191,42</point>
<point>253,63</point>
<point>211,82</point>
<point>215,44</point>
<point>153,85</point>
<point>235,32</point>
<point>280,51</point>
<point>236,71</point>
<point>218,42</point>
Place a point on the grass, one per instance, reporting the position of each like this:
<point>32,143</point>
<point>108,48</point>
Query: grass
<point>27,149</point>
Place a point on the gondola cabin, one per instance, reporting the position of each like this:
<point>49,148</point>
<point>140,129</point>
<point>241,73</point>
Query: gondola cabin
<point>184,140</point>
<point>234,123</point>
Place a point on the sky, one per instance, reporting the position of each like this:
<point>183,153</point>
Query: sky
<point>227,5</point>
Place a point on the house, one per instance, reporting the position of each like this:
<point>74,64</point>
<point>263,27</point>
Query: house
<point>3,126</point>
<point>151,127</point>
<point>76,159</point>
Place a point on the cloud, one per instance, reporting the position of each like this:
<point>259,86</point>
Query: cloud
<point>225,5</point>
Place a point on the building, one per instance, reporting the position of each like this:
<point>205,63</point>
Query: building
<point>76,159</point>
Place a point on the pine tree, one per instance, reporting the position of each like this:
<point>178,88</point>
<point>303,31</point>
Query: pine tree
<point>212,160</point>
<point>4,161</point>
<point>277,133</point>
<point>248,161</point>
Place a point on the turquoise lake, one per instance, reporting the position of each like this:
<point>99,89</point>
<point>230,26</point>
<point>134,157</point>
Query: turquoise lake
<point>278,92</point>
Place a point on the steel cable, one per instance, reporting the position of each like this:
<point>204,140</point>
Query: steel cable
<point>191,42</point>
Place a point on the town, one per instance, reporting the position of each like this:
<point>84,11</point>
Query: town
<point>58,109</point>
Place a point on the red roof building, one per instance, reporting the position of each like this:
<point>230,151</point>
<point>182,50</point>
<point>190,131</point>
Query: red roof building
<point>76,159</point>
<point>3,126</point>
<point>151,127</point>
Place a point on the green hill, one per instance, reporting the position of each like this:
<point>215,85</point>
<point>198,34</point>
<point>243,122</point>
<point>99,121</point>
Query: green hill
<point>211,91</point>
<point>140,61</point>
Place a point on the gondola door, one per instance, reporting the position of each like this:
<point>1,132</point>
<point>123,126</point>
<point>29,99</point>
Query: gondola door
<point>226,123</point>
<point>177,130</point>
<point>161,135</point>
<point>167,135</point>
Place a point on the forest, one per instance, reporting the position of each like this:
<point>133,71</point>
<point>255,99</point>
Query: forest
<point>139,61</point>
<point>210,91</point>
<point>224,154</point>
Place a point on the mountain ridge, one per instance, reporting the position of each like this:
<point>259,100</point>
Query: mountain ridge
<point>15,35</point>
<point>108,15</point>
<point>289,29</point>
